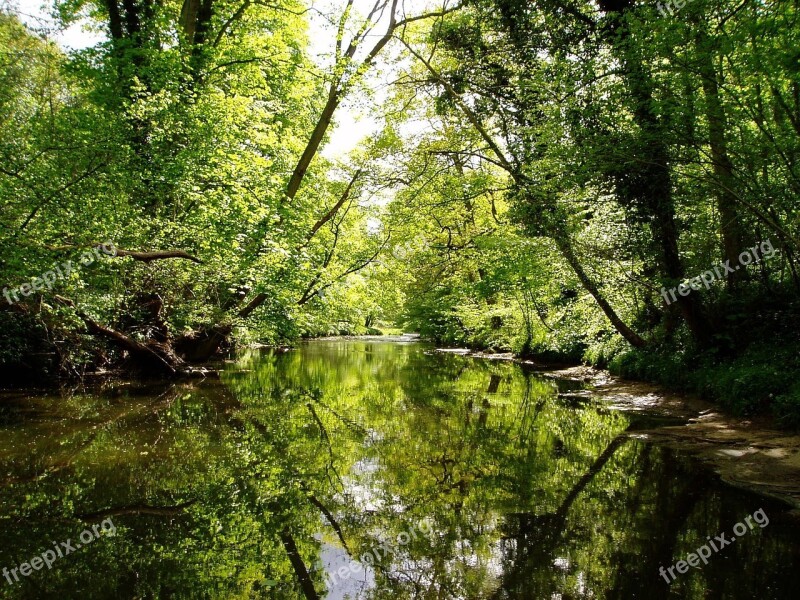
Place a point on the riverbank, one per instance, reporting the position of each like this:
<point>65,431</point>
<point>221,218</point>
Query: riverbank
<point>749,453</point>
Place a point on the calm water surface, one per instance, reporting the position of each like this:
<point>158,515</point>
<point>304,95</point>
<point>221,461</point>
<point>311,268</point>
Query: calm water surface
<point>441,476</point>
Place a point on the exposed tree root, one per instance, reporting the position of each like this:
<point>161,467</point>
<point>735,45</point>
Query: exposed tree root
<point>200,345</point>
<point>154,356</point>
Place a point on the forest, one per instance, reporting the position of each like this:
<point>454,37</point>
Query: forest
<point>399,299</point>
<point>613,183</point>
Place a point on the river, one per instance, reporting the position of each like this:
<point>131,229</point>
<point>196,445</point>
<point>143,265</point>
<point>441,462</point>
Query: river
<point>369,469</point>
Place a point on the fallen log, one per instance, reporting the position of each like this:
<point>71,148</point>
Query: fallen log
<point>158,357</point>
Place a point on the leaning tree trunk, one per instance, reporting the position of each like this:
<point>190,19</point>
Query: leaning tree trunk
<point>152,357</point>
<point>657,199</point>
<point>565,247</point>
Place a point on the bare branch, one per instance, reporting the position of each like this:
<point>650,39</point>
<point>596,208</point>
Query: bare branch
<point>332,212</point>
<point>157,255</point>
<point>235,17</point>
<point>468,112</point>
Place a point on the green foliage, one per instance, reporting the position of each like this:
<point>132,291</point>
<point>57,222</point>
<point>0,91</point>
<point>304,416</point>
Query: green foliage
<point>22,339</point>
<point>760,380</point>
<point>536,179</point>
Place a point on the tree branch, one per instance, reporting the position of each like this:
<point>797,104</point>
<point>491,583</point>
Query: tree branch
<point>471,116</point>
<point>332,212</point>
<point>354,269</point>
<point>136,509</point>
<point>157,255</point>
<point>235,17</point>
<point>122,340</point>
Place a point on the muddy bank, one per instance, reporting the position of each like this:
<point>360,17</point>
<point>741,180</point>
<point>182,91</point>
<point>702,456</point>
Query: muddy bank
<point>749,453</point>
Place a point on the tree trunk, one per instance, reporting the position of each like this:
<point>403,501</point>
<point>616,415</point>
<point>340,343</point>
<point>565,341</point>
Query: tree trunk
<point>730,220</point>
<point>626,332</point>
<point>199,346</point>
<point>657,199</point>
<point>314,141</point>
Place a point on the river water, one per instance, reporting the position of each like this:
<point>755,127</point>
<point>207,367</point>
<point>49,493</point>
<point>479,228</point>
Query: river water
<point>368,469</point>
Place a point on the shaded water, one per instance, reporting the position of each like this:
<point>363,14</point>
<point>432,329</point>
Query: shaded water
<point>450,477</point>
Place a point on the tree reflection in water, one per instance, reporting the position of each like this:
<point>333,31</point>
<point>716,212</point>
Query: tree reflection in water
<point>297,463</point>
